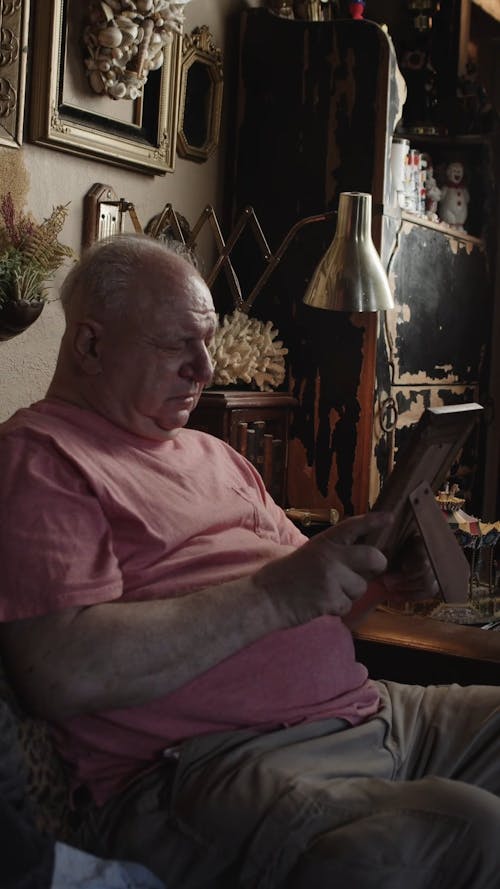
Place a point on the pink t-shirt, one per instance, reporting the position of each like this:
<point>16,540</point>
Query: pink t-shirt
<point>90,513</point>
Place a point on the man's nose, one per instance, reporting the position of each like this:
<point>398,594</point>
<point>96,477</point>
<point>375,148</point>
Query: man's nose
<point>206,366</point>
<point>200,368</point>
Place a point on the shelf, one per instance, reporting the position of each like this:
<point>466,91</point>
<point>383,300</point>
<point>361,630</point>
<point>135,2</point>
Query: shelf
<point>464,237</point>
<point>434,139</point>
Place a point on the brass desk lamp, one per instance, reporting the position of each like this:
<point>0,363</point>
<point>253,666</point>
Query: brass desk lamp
<point>351,277</point>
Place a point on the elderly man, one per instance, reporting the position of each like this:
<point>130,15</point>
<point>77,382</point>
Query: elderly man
<point>192,649</point>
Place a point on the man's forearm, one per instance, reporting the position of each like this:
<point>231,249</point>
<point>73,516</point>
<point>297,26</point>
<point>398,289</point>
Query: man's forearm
<point>121,654</point>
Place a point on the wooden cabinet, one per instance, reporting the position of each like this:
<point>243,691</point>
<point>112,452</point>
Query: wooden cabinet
<point>255,424</point>
<point>434,349</point>
<point>318,106</point>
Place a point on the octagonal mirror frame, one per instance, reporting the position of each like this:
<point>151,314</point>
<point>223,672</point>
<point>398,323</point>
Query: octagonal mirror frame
<point>200,96</point>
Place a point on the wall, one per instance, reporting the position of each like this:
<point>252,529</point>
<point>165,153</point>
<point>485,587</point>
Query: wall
<point>54,177</point>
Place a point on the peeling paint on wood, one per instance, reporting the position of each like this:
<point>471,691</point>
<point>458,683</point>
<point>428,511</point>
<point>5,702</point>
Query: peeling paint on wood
<point>313,124</point>
<point>444,291</point>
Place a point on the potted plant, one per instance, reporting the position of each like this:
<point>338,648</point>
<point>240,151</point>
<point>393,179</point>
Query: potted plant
<point>30,254</point>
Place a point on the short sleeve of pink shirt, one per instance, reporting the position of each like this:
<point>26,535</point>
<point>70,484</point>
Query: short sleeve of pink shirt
<point>56,549</point>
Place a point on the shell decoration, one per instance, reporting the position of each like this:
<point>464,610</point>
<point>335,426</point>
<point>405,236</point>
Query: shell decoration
<point>245,350</point>
<point>125,40</point>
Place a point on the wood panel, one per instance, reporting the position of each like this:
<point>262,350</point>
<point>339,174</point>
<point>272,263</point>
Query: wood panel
<point>316,105</point>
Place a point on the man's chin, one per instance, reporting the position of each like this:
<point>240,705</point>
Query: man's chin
<point>168,429</point>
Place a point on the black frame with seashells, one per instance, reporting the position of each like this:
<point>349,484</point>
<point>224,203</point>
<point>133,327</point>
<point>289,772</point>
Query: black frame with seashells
<point>144,140</point>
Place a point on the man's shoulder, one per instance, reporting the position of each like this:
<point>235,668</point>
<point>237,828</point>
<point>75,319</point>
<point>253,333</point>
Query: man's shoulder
<point>22,423</point>
<point>52,436</point>
<point>34,422</point>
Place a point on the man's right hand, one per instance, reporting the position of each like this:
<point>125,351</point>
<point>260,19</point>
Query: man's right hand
<point>328,574</point>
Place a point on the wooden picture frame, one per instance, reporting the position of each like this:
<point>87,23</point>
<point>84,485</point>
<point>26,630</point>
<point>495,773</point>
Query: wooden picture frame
<point>14,19</point>
<point>67,115</point>
<point>409,494</point>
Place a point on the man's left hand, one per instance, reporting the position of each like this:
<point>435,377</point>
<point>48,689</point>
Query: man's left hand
<point>411,576</point>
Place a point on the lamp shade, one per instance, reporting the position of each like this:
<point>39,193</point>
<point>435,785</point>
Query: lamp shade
<point>351,277</point>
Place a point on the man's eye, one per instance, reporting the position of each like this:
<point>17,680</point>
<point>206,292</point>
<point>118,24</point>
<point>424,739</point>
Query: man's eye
<point>170,347</point>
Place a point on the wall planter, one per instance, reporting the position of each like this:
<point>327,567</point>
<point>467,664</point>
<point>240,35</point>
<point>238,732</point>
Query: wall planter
<point>16,317</point>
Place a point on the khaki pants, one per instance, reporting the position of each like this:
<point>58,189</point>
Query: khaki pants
<point>408,800</point>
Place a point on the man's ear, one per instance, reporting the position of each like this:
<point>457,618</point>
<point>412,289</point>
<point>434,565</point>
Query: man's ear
<point>87,344</point>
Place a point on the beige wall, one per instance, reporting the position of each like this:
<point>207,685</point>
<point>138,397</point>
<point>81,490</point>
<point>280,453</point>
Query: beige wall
<point>27,361</point>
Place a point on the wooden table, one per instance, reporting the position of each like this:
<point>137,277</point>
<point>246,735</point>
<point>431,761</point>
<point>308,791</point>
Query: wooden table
<point>410,648</point>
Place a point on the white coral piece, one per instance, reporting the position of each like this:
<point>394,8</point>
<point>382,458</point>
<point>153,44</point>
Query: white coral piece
<point>245,350</point>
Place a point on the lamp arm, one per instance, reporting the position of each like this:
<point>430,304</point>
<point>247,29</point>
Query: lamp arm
<point>274,259</point>
<point>232,278</point>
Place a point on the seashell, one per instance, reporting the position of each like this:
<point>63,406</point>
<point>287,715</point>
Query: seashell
<point>115,5</point>
<point>127,26</point>
<point>110,36</point>
<point>157,61</point>
<point>144,46</point>
<point>96,81</point>
<point>128,40</point>
<point>125,40</point>
<point>155,41</point>
<point>117,91</point>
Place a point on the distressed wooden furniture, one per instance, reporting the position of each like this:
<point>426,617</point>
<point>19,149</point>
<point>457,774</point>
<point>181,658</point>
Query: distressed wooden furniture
<point>318,101</point>
<point>318,104</point>
<point>423,650</point>
<point>254,423</point>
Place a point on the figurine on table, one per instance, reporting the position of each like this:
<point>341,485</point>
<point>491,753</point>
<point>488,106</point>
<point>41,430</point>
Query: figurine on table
<point>432,192</point>
<point>357,9</point>
<point>453,206</point>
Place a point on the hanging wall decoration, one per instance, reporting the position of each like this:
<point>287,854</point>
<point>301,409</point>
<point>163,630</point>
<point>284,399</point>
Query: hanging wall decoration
<point>125,40</point>
<point>30,254</point>
<point>13,53</point>
<point>201,96</point>
<point>68,115</point>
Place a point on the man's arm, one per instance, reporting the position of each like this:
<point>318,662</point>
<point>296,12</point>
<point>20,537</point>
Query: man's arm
<point>122,654</point>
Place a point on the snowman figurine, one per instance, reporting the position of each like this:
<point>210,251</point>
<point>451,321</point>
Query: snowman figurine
<point>453,206</point>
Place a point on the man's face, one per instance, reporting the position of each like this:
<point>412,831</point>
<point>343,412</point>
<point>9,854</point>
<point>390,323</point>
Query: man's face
<point>155,363</point>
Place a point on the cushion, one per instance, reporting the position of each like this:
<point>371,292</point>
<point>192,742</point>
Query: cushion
<point>46,778</point>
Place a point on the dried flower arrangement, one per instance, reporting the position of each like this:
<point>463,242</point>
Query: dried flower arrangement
<point>30,252</point>
<point>245,350</point>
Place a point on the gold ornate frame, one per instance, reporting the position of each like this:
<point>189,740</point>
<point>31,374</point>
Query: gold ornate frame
<point>66,115</point>
<point>14,15</point>
<point>199,49</point>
